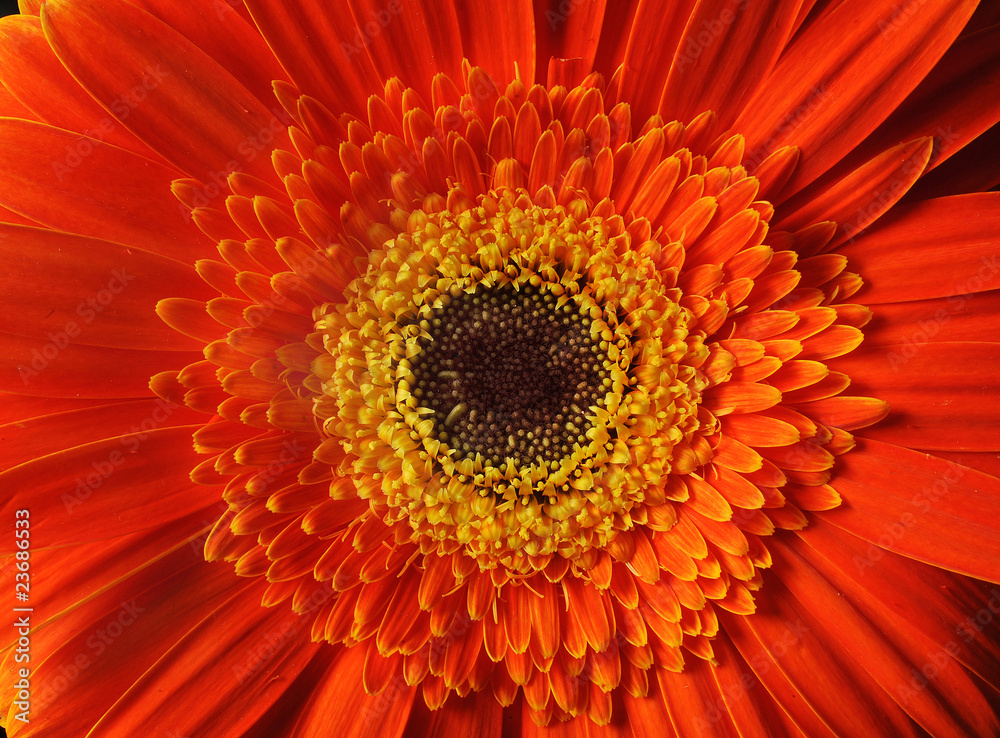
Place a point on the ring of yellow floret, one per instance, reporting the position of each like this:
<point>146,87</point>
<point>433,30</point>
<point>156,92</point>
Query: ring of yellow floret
<point>511,515</point>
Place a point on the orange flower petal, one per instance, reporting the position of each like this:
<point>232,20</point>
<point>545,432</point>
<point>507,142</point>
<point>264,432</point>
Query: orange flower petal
<point>945,522</point>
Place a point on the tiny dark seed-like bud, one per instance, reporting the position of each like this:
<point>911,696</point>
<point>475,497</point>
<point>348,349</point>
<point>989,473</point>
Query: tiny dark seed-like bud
<point>510,375</point>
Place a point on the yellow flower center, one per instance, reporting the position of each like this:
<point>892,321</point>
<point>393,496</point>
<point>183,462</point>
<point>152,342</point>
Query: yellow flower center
<point>515,377</point>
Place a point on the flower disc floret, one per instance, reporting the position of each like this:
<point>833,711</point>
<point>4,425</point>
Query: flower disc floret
<point>516,509</point>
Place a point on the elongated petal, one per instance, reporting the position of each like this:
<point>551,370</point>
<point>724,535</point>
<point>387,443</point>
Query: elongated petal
<point>108,488</point>
<point>570,32</point>
<point>55,366</point>
<point>227,36</point>
<point>948,704</point>
<point>117,634</point>
<point>384,714</point>
<point>97,293</point>
<point>237,648</point>
<point>862,196</point>
<point>957,318</point>
<point>950,603</point>
<point>786,640</point>
<point>40,436</point>
<point>66,105</point>
<point>655,33</point>
<point>937,248</point>
<point>414,41</point>
<point>941,395</point>
<point>478,714</point>
<point>498,38</point>
<point>83,185</point>
<point>725,51</point>
<point>819,96</point>
<point>961,109</point>
<point>214,125</point>
<point>920,506</point>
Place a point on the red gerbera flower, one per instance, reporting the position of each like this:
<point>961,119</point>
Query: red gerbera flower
<point>569,368</point>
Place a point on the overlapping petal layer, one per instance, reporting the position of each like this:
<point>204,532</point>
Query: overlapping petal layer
<point>249,212</point>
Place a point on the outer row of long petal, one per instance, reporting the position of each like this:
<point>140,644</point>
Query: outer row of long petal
<point>932,317</point>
